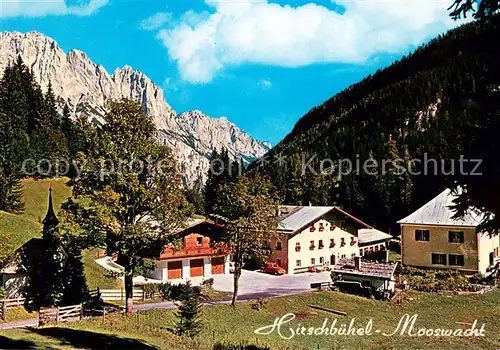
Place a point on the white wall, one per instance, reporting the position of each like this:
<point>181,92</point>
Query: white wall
<point>161,270</point>
<point>486,245</point>
<point>305,254</point>
<point>377,283</point>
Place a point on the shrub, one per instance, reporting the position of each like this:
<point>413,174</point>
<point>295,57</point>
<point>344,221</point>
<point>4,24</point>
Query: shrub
<point>151,289</point>
<point>189,311</point>
<point>259,304</point>
<point>208,283</point>
<point>165,290</point>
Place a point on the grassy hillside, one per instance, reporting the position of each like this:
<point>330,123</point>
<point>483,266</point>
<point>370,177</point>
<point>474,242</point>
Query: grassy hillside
<point>151,329</point>
<point>28,225</point>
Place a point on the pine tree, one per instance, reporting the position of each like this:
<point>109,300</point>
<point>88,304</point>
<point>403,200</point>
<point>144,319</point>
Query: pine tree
<point>45,265</point>
<point>75,290</point>
<point>213,183</point>
<point>189,311</point>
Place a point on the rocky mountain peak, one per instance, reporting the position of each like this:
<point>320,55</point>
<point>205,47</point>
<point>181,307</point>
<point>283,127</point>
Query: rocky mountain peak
<point>88,89</point>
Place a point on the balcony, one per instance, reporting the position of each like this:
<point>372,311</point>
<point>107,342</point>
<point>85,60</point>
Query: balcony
<point>321,246</point>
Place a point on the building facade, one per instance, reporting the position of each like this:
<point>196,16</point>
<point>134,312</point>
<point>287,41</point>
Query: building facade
<point>432,238</point>
<point>198,256</point>
<point>312,237</point>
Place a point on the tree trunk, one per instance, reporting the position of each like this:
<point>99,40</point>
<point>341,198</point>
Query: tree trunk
<point>129,293</point>
<point>237,274</point>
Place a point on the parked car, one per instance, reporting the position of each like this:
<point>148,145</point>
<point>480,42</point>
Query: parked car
<point>272,268</point>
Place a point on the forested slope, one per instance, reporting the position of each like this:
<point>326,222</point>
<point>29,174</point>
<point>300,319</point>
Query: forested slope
<point>429,105</point>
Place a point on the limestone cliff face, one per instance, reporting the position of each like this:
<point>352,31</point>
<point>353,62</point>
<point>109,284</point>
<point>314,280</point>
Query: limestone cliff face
<point>88,89</point>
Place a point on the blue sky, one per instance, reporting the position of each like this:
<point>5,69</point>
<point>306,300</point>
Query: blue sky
<point>262,64</point>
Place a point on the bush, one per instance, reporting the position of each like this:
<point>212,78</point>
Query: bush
<point>165,290</point>
<point>151,289</point>
<point>259,304</point>
<point>189,311</point>
<point>208,284</point>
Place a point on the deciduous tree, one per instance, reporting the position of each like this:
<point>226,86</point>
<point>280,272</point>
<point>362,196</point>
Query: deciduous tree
<point>250,214</point>
<point>129,196</point>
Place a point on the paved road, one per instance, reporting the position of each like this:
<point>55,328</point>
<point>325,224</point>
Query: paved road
<point>19,324</point>
<point>252,285</point>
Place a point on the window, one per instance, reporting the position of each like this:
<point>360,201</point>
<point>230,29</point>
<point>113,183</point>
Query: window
<point>382,247</point>
<point>376,248</point>
<point>311,246</point>
<point>321,260</point>
<point>321,227</point>
<point>199,240</point>
<point>456,237</point>
<point>353,255</point>
<point>332,243</point>
<point>422,235</point>
<point>342,242</point>
<point>438,259</point>
<point>312,228</point>
<point>313,261</point>
<point>456,260</point>
<point>343,256</point>
<point>332,226</point>
<point>278,262</point>
<point>297,247</point>
<point>361,252</point>
<point>343,225</point>
<point>353,241</point>
<point>297,263</point>
<point>320,244</point>
<point>278,245</point>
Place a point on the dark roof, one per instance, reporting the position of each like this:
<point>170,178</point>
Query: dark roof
<point>368,268</point>
<point>50,217</point>
<point>33,248</point>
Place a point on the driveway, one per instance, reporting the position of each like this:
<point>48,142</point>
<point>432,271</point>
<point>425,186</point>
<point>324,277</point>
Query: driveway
<point>254,284</point>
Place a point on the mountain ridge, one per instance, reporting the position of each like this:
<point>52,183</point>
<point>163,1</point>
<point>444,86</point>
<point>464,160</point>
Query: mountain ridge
<point>88,88</point>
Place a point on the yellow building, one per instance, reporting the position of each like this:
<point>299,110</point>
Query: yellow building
<point>431,238</point>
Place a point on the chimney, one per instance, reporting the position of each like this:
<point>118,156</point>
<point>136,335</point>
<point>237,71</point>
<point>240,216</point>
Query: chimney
<point>357,263</point>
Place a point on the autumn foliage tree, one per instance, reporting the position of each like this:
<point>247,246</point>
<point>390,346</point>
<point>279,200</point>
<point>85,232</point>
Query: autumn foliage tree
<point>250,213</point>
<point>129,196</point>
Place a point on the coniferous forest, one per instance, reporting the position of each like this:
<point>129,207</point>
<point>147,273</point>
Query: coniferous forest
<point>35,139</point>
<point>441,102</point>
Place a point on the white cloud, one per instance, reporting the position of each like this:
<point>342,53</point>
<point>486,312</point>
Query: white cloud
<point>256,31</point>
<point>40,8</point>
<point>266,83</point>
<point>156,21</point>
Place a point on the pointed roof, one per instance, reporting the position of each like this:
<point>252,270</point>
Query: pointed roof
<point>438,211</point>
<point>50,218</point>
<point>299,217</point>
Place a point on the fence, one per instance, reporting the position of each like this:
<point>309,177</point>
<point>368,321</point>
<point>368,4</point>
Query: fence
<point>9,304</point>
<point>60,314</point>
<point>119,294</point>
